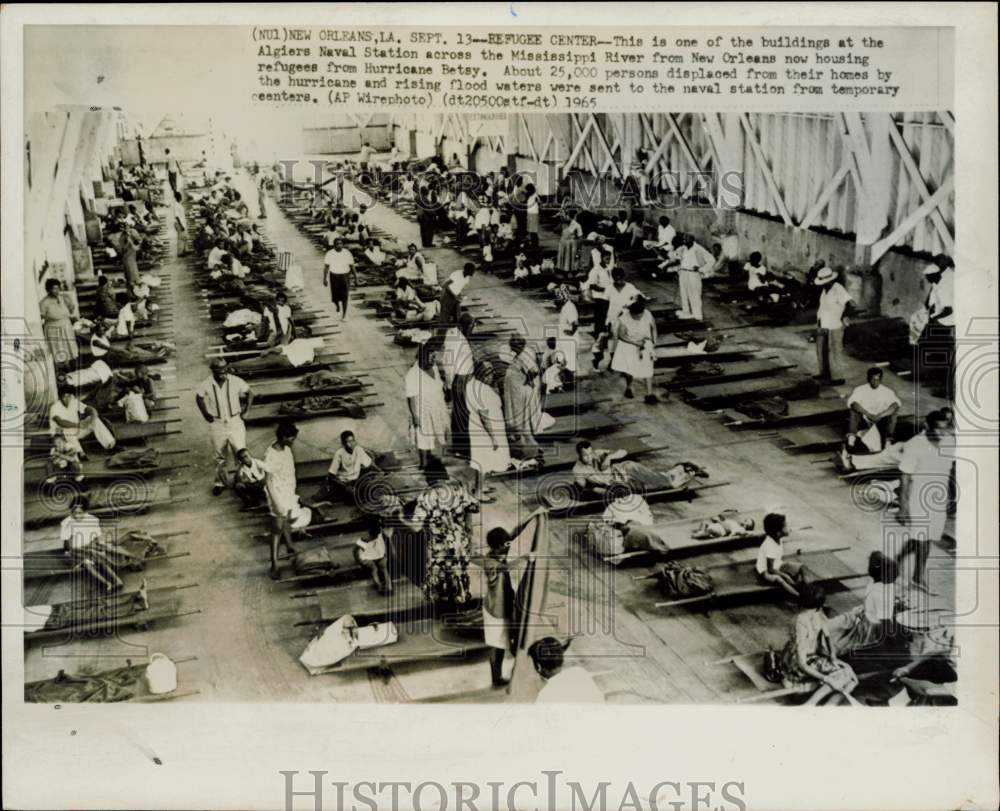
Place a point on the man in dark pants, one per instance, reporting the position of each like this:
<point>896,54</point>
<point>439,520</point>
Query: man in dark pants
<point>338,264</point>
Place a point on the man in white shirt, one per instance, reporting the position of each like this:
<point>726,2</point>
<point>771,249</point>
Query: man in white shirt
<point>173,170</point>
<point>215,255</point>
<point>831,318</point>
<point>598,285</point>
<point>338,263</point>
<point>350,462</point>
<point>180,224</point>
<point>695,261</point>
<point>938,338</point>
<point>451,294</point>
<point>872,405</point>
<point>80,533</point>
<point>223,399</point>
<point>926,468</point>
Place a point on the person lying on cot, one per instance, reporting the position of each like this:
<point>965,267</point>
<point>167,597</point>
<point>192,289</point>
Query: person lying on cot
<point>723,525</point>
<point>889,457</point>
<point>770,569</point>
<point>350,464</point>
<point>371,553</point>
<point>596,471</point>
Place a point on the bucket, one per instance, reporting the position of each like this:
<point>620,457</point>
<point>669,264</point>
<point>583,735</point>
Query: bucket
<point>161,674</point>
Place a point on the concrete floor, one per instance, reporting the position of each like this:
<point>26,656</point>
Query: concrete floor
<point>245,640</point>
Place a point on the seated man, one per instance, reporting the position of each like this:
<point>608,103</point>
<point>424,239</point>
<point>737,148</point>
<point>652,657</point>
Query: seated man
<point>248,481</point>
<point>349,465</point>
<point>80,533</point>
<point>872,405</point>
<point>596,471</point>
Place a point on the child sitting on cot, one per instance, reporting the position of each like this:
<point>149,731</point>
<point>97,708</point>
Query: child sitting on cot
<point>133,403</point>
<point>65,457</point>
<point>371,553</point>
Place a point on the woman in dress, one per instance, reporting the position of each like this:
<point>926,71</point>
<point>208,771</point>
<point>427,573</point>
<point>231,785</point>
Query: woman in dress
<point>568,337</point>
<point>429,417</point>
<point>522,399</point>
<point>532,213</point>
<point>634,354</point>
<point>57,324</point>
<point>487,432</point>
<point>443,513</point>
<point>569,243</point>
<point>809,661</point>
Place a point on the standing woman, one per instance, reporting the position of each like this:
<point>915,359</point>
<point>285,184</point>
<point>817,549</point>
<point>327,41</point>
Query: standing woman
<point>636,347</point>
<point>427,214</point>
<point>569,243</point>
<point>531,210</point>
<point>130,261</point>
<point>568,337</point>
<point>180,225</point>
<point>489,452</point>
<point>428,411</point>
<point>57,323</point>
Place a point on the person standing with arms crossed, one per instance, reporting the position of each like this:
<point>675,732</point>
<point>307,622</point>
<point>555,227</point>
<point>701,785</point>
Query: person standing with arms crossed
<point>223,399</point>
<point>337,264</point>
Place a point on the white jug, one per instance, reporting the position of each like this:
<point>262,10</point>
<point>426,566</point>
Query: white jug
<point>161,674</point>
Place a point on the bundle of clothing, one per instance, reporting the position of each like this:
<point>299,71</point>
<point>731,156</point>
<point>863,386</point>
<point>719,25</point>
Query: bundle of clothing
<point>698,369</point>
<point>120,684</point>
<point>768,408</point>
<point>323,404</point>
<point>134,458</point>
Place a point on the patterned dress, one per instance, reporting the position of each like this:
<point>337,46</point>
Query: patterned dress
<point>444,509</point>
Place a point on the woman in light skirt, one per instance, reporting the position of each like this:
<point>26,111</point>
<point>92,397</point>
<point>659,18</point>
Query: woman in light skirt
<point>634,354</point>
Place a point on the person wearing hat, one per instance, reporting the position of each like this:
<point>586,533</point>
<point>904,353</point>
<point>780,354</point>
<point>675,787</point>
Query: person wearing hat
<point>223,399</point>
<point>831,318</point>
<point>937,317</point>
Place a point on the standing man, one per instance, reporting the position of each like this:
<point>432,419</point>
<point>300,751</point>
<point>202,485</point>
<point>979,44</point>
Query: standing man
<point>938,335</point>
<point>457,365</point>
<point>831,318</point>
<point>598,284</point>
<point>223,399</point>
<point>337,264</point>
<point>180,225</point>
<point>173,170</point>
<point>926,468</point>
<point>451,294</point>
<point>694,262</point>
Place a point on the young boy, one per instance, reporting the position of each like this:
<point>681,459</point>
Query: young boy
<point>371,553</point>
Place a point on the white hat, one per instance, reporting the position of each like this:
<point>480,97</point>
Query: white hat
<point>825,275</point>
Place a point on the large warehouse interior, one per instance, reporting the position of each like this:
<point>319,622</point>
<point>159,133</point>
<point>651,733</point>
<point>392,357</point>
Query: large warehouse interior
<point>624,408</point>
